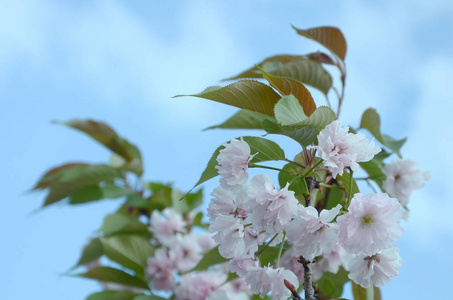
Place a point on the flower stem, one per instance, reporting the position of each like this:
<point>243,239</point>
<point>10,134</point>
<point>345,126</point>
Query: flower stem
<point>267,167</point>
<point>294,163</point>
<point>331,186</point>
<point>265,246</point>
<point>281,248</point>
<point>312,168</point>
<point>350,188</point>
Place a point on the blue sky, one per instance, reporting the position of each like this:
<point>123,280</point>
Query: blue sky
<point>121,62</point>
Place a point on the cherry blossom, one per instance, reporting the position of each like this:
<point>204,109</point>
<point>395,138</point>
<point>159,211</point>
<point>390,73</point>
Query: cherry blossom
<point>371,224</point>
<point>290,261</point>
<point>199,286</point>
<point>164,225</point>
<point>340,149</point>
<point>313,235</point>
<point>233,163</point>
<point>240,264</point>
<point>268,208</point>
<point>160,269</point>
<point>403,176</point>
<point>376,269</point>
<point>264,280</point>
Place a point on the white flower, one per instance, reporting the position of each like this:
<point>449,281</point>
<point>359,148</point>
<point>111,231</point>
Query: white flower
<point>222,203</point>
<point>331,262</point>
<point>185,251</point>
<point>371,224</point>
<point>164,225</point>
<point>206,242</point>
<point>375,269</point>
<point>199,286</point>
<point>234,238</point>
<point>290,261</point>
<point>403,176</point>
<point>340,149</point>
<point>240,264</point>
<point>160,269</point>
<point>269,209</point>
<point>233,163</point>
<point>313,235</point>
<point>264,280</point>
<point>235,290</point>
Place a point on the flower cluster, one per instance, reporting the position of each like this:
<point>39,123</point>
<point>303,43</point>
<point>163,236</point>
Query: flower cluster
<point>358,234</point>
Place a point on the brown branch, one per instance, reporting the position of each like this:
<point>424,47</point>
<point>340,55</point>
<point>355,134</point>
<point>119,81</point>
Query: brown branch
<point>308,280</point>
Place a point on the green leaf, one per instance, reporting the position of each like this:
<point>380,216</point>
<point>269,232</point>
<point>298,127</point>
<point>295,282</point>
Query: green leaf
<point>269,255</point>
<point>108,274</point>
<point>304,135</point>
<point>52,175</point>
<point>372,122</point>
<point>91,252</point>
<point>308,72</point>
<point>120,223</point>
<point>113,295</point>
<point>374,171</point>
<point>321,117</point>
<point>331,285</point>
<point>96,192</point>
<point>149,297</point>
<point>288,86</point>
<point>105,135</point>
<point>210,258</point>
<point>246,94</point>
<point>321,58</point>
<point>264,149</point>
<point>243,119</point>
<point>298,185</point>
<point>360,293</point>
<point>334,198</point>
<point>288,111</point>
<point>253,72</point>
<point>329,37</point>
<point>186,203</point>
<point>346,179</point>
<point>62,182</point>
<point>130,251</point>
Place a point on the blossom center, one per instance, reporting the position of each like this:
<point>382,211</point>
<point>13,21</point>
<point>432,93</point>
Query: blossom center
<point>367,220</point>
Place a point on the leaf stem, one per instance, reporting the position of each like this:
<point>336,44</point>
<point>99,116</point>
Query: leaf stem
<point>281,248</point>
<point>269,168</point>
<point>312,168</point>
<point>265,246</point>
<point>295,163</point>
<point>331,186</point>
<point>350,188</point>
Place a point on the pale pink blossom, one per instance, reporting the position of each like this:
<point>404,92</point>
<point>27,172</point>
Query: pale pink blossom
<point>313,235</point>
<point>164,225</point>
<point>340,149</point>
<point>403,176</point>
<point>233,163</point>
<point>332,261</point>
<point>222,203</point>
<point>264,280</point>
<point>376,269</point>
<point>290,261</point>
<point>199,286</point>
<point>160,270</point>
<point>268,208</point>
<point>206,242</point>
<point>240,264</point>
<point>235,290</point>
<point>185,251</point>
<point>113,286</point>
<point>371,224</point>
